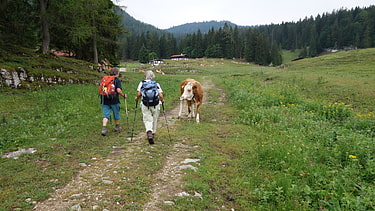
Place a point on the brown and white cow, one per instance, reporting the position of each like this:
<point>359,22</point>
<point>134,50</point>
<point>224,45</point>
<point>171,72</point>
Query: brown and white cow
<point>192,93</point>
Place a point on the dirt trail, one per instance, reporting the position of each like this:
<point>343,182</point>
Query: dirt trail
<point>83,189</point>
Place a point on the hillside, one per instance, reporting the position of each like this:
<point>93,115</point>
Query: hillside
<point>25,68</point>
<point>204,27</point>
<point>130,24</point>
<point>134,26</point>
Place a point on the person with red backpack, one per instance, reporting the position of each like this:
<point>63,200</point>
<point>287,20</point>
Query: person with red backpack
<point>110,89</point>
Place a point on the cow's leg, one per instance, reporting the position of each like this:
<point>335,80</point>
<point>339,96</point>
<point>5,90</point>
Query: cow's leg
<point>181,107</point>
<point>189,108</point>
<point>193,105</point>
<point>198,111</point>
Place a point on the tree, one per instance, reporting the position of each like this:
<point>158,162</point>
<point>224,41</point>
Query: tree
<point>143,56</point>
<point>171,46</point>
<point>227,41</point>
<point>276,57</point>
<point>105,28</point>
<point>313,44</point>
<point>43,4</point>
<point>237,44</point>
<point>250,45</point>
<point>88,28</point>
<point>197,42</point>
<point>163,46</point>
<point>152,56</point>
<point>214,51</point>
<point>18,23</point>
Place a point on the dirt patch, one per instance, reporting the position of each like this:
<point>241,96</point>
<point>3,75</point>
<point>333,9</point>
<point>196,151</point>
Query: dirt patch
<point>84,188</point>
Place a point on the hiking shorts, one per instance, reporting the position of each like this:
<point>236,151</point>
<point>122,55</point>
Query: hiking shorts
<point>107,111</point>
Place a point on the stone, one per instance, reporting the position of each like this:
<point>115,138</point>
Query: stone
<point>189,160</point>
<point>188,167</point>
<point>76,207</point>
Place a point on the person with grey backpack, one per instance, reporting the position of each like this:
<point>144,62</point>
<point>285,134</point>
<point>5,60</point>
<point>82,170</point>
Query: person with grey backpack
<point>152,96</point>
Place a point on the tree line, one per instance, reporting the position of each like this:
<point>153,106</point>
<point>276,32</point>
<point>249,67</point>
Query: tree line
<point>94,29</point>
<point>88,29</point>
<point>340,29</point>
<point>354,28</point>
<point>225,42</point>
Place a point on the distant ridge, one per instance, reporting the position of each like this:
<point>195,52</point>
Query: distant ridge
<point>136,27</point>
<point>204,27</point>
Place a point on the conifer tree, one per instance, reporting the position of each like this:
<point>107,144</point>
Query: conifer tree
<point>143,56</point>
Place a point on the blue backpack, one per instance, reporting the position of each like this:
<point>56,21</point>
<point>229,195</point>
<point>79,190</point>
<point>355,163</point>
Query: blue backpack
<point>150,93</point>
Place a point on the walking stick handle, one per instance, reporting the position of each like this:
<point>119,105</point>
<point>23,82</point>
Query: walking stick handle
<point>126,106</point>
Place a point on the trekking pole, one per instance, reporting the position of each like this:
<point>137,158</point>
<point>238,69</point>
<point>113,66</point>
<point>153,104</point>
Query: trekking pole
<point>135,114</point>
<point>166,122</point>
<point>127,115</point>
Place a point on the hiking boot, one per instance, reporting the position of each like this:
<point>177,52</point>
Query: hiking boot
<point>150,137</point>
<point>104,131</point>
<point>117,128</point>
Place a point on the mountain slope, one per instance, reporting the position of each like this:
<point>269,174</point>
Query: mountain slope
<point>135,27</point>
<point>204,27</point>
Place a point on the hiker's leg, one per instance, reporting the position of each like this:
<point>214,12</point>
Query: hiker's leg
<point>147,117</point>
<point>105,122</point>
<point>116,116</point>
<point>155,116</point>
<point>116,112</point>
<point>106,114</point>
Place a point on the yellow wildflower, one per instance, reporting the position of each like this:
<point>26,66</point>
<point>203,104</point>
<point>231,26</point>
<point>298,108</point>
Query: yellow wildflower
<point>352,156</point>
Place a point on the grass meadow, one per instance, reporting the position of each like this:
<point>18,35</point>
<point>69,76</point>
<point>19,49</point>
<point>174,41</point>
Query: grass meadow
<point>299,137</point>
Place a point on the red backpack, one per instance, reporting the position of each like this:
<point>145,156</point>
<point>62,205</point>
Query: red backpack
<point>107,86</point>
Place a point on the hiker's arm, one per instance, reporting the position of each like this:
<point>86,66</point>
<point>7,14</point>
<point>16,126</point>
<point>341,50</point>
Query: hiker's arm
<point>119,91</point>
<point>161,97</point>
<point>139,94</point>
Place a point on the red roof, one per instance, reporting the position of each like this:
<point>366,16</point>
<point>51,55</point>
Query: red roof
<point>180,56</point>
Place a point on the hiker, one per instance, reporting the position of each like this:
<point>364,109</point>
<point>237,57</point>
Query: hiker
<point>152,97</point>
<point>109,99</point>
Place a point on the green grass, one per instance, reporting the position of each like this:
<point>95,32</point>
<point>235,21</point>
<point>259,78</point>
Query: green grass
<point>290,55</point>
<point>299,138</point>
<point>306,139</point>
<point>346,77</point>
<point>63,123</point>
<point>301,151</point>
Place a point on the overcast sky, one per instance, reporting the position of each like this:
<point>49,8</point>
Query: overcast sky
<point>164,14</point>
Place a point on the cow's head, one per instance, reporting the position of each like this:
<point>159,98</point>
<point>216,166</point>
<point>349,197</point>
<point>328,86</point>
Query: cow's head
<point>188,93</point>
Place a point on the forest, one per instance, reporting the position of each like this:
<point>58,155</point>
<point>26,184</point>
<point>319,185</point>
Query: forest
<point>88,29</point>
<point>102,32</point>
<point>338,30</point>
